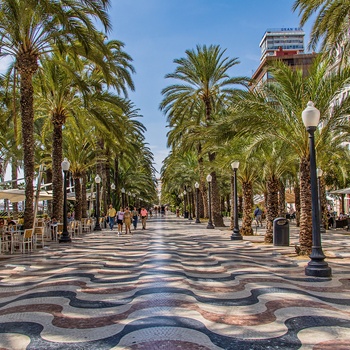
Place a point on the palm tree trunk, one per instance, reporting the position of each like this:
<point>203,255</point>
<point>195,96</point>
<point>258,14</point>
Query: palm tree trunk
<point>57,181</point>
<point>272,207</point>
<point>14,183</point>
<point>49,180</point>
<point>282,200</point>
<point>78,199</point>
<point>108,182</point>
<point>84,202</point>
<point>240,203</point>
<point>265,198</point>
<point>323,200</point>
<point>232,186</point>
<point>27,66</point>
<point>203,203</point>
<point>297,203</point>
<point>116,181</point>
<point>205,200</point>
<point>247,188</point>
<point>305,235</point>
<point>217,216</point>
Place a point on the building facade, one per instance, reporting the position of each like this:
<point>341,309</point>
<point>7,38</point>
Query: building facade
<point>283,44</point>
<point>290,40</point>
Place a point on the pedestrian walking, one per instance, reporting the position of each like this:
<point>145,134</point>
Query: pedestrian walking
<point>120,218</point>
<point>127,220</point>
<point>111,216</point>
<point>257,215</point>
<point>144,215</point>
<point>135,215</point>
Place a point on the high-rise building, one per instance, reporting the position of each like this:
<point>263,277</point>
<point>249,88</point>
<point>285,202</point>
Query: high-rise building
<point>290,40</point>
<point>283,44</point>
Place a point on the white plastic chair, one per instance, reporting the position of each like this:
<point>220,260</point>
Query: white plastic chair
<point>39,236</point>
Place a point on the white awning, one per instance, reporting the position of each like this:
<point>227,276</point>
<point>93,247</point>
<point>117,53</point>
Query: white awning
<point>16,195</point>
<point>342,191</point>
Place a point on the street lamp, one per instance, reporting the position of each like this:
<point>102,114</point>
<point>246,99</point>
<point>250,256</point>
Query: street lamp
<point>113,189</point>
<point>185,211</point>
<point>235,234</point>
<point>128,201</point>
<point>134,195</point>
<point>97,224</point>
<point>210,223</point>
<point>316,267</point>
<point>196,185</point>
<point>123,197</point>
<point>319,173</point>
<point>65,238</point>
<point>189,202</point>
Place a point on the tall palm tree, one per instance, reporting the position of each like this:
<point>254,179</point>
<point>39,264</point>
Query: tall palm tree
<point>80,148</point>
<point>204,86</point>
<point>275,111</point>
<point>31,28</point>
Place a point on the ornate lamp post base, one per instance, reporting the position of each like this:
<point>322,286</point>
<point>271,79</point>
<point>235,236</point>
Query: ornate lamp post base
<point>97,225</point>
<point>236,236</point>
<point>210,225</point>
<point>65,238</point>
<point>317,267</point>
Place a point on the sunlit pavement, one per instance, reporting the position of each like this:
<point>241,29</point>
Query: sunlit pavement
<point>175,285</point>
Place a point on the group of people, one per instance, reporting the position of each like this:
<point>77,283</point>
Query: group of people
<point>126,217</point>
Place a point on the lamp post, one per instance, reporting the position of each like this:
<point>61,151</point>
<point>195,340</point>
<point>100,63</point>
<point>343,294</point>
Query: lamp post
<point>128,201</point>
<point>319,173</point>
<point>134,195</point>
<point>235,234</point>
<point>113,189</point>
<point>97,224</point>
<point>123,197</point>
<point>189,190</point>
<point>210,223</point>
<point>65,238</point>
<point>316,267</point>
<point>185,211</point>
<point>196,185</point>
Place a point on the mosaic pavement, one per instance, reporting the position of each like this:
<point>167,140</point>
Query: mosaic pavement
<point>174,286</point>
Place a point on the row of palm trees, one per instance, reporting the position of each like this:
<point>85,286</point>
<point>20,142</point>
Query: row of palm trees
<point>69,83</point>
<point>214,119</point>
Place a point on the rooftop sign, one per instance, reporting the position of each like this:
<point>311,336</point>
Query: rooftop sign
<point>284,29</point>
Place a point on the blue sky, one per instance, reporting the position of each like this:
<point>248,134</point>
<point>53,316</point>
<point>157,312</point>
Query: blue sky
<point>155,32</point>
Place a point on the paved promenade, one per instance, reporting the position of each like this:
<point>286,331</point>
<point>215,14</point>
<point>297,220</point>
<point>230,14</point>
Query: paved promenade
<point>173,286</point>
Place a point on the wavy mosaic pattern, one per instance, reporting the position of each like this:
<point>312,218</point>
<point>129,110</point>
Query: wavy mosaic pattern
<point>173,286</point>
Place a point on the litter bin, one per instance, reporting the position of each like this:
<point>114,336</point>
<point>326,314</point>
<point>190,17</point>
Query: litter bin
<point>186,214</point>
<point>281,232</point>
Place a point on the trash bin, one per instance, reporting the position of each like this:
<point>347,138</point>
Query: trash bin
<point>186,214</point>
<point>281,232</point>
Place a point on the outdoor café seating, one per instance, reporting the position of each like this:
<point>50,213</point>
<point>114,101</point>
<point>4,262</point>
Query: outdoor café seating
<point>23,241</point>
<point>39,236</point>
<point>5,243</point>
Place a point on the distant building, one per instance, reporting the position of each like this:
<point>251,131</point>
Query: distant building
<point>290,40</point>
<point>283,44</point>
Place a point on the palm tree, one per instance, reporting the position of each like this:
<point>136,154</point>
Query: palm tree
<point>30,29</point>
<point>331,25</point>
<point>275,111</point>
<point>204,87</point>
<point>80,148</point>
